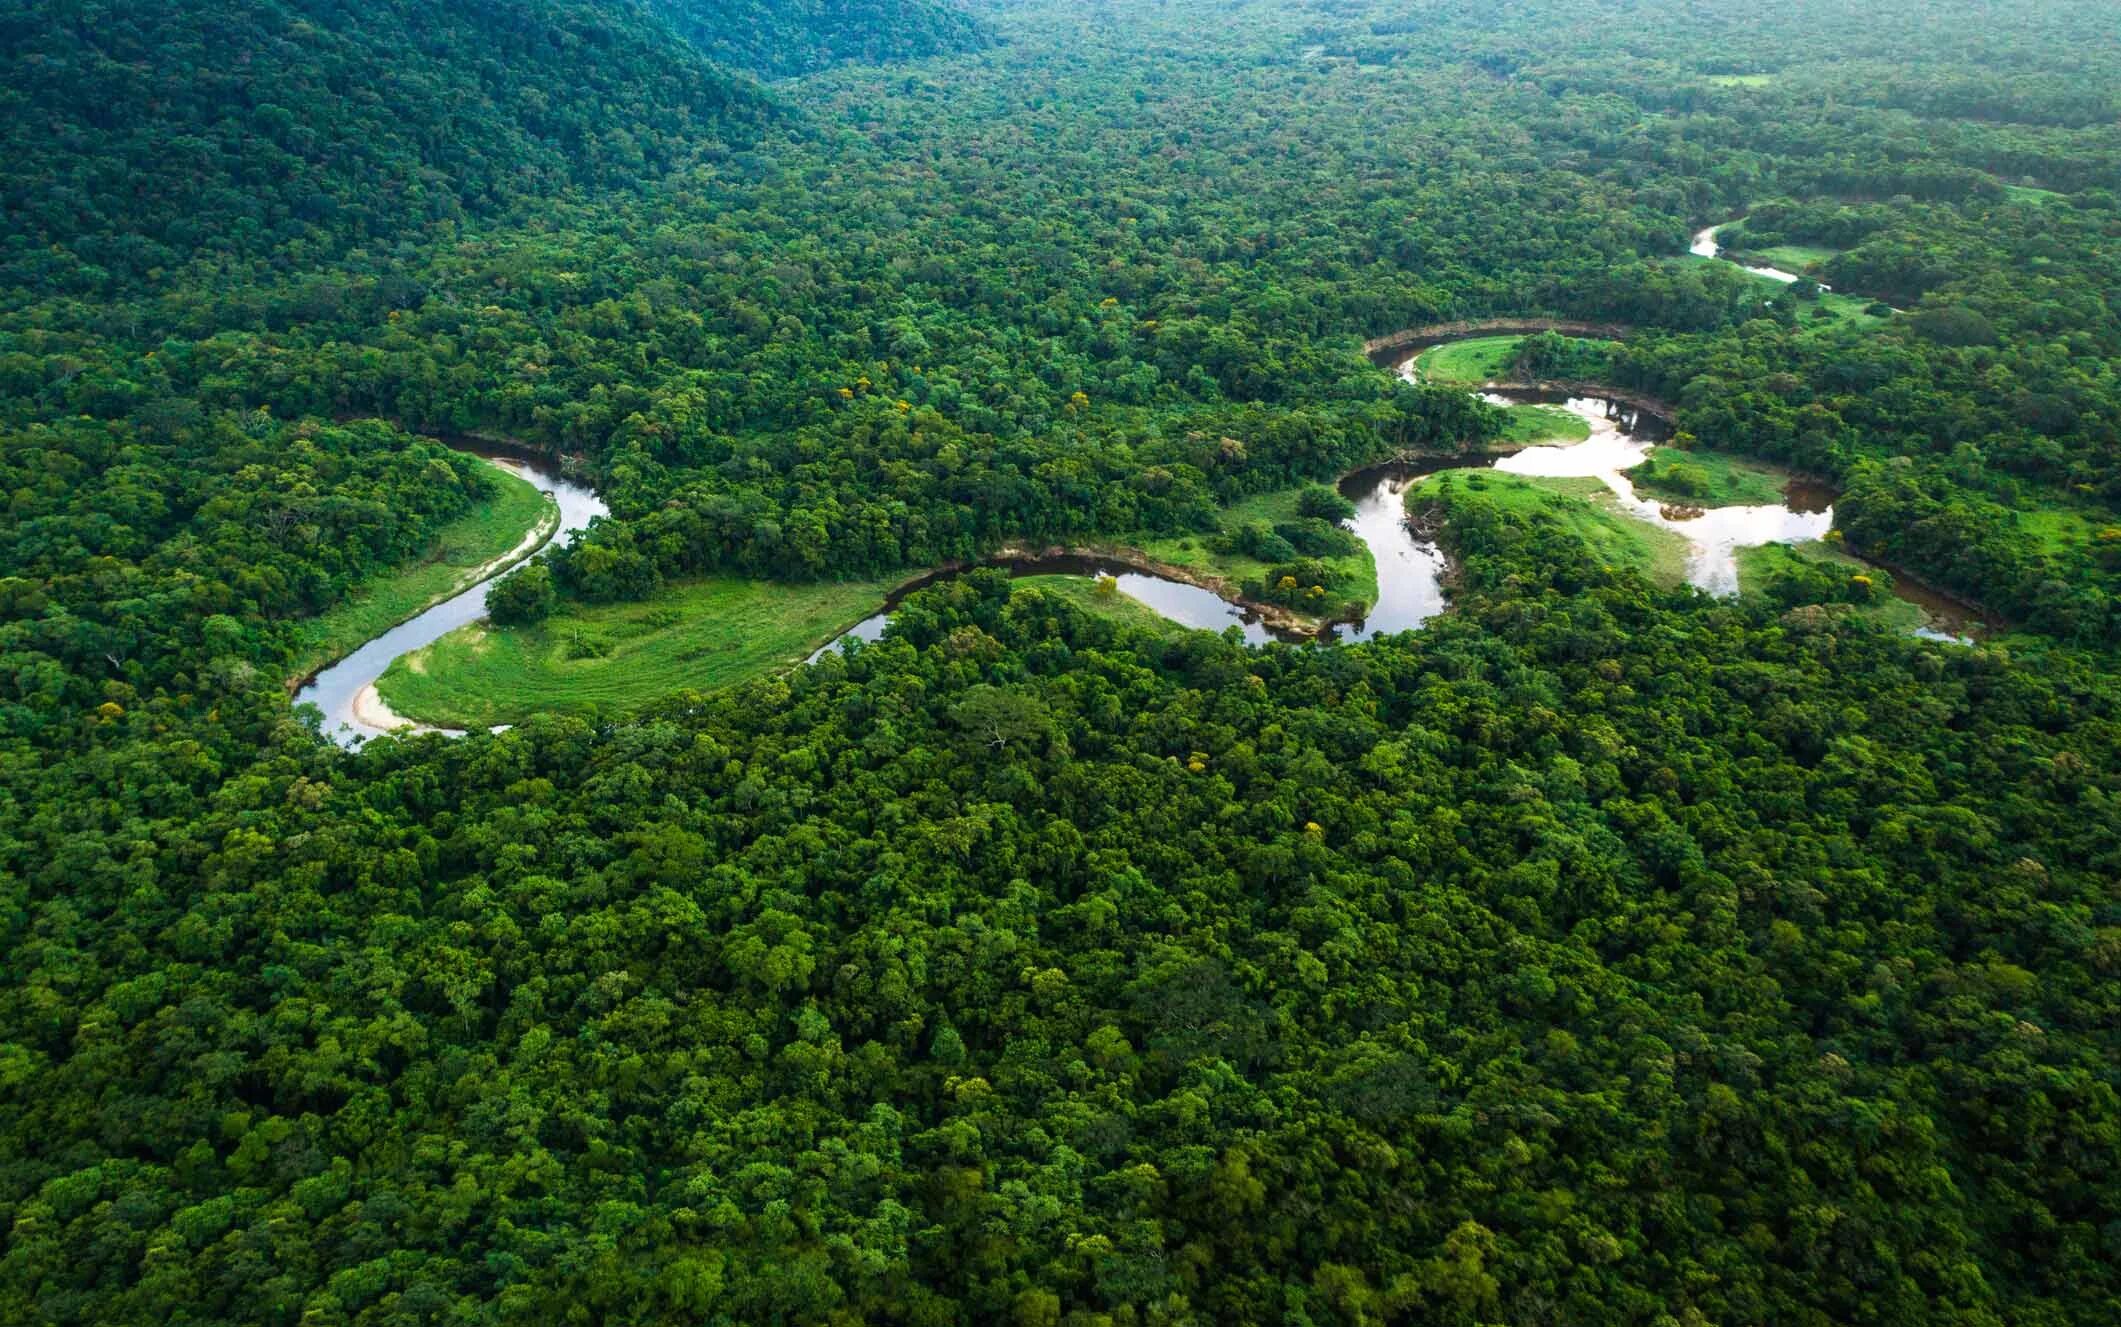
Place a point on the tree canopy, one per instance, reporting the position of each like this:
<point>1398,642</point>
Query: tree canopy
<point>1600,953</point>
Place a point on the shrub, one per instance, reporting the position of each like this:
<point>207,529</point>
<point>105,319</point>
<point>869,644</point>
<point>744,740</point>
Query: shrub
<point>523,596</point>
<point>1322,503</point>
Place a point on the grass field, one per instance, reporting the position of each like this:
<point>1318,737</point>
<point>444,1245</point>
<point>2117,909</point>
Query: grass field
<point>1708,479</point>
<point>1585,507</point>
<point>471,541</point>
<point>700,635</point>
<point>1794,257</point>
<point>1843,311</point>
<point>1356,572</point>
<point>2055,526</point>
<point>2020,193</point>
<point>1470,362</point>
<point>1083,593</point>
<point>1742,80</point>
<point>1757,566</point>
<point>1534,424</point>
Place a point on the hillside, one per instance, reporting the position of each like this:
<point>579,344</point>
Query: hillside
<point>790,37</point>
<point>137,136</point>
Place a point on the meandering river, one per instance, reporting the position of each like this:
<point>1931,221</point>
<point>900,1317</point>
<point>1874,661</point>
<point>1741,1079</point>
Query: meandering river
<point>1187,605</point>
<point>1705,246</point>
<point>346,691</point>
<point>1411,569</point>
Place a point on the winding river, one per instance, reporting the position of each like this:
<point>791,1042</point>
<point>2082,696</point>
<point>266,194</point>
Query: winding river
<point>1705,246</point>
<point>1187,605</point>
<point>1411,569</point>
<point>346,691</point>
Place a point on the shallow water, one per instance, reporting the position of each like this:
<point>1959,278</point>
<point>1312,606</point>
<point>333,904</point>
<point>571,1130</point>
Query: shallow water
<point>1617,444</point>
<point>1410,567</point>
<point>1705,246</point>
<point>1187,605</point>
<point>336,689</point>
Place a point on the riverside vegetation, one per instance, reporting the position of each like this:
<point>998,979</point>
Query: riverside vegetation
<point>1601,952</point>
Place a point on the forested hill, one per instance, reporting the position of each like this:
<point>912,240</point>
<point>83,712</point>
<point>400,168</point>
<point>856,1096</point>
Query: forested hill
<point>782,38</point>
<point>134,136</point>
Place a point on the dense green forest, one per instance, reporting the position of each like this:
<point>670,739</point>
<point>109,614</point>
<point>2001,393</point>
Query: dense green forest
<point>779,38</point>
<point>1601,952</point>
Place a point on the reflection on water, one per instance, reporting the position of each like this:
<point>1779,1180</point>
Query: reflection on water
<point>337,690</point>
<point>1715,534</point>
<point>1187,605</point>
<point>1705,246</point>
<point>1410,567</point>
<point>870,628</point>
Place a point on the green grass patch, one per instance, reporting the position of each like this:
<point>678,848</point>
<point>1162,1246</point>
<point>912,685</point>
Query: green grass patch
<point>1742,80</point>
<point>2024,193</point>
<point>1794,257</point>
<point>1841,311</point>
<point>2056,527</point>
<point>1470,362</point>
<point>1355,573</point>
<point>699,635</point>
<point>1585,507</point>
<point>1757,567</point>
<point>488,531</point>
<point>1083,592</point>
<point>1850,311</point>
<point>1708,479</point>
<point>1532,425</point>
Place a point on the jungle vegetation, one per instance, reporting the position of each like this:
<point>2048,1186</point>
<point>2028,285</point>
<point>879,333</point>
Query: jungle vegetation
<point>1600,953</point>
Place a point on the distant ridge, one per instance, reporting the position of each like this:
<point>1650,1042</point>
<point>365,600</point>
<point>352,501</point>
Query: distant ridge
<point>135,136</point>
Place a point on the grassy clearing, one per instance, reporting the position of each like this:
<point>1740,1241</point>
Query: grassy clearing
<point>1585,507</point>
<point>1531,425</point>
<point>489,531</point>
<point>1708,479</point>
<point>1082,591</point>
<point>1742,80</point>
<point>1470,362</point>
<point>1758,566</point>
<point>1832,311</point>
<point>1795,257</point>
<point>2023,193</point>
<point>1840,310</point>
<point>2055,527</point>
<point>1355,573</point>
<point>701,635</point>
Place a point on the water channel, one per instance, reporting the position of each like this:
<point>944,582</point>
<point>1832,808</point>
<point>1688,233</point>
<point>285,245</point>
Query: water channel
<point>345,691</point>
<point>1705,246</point>
<point>1411,569</point>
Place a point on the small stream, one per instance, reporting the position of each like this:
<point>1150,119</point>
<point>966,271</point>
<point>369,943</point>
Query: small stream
<point>1705,246</point>
<point>345,691</point>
